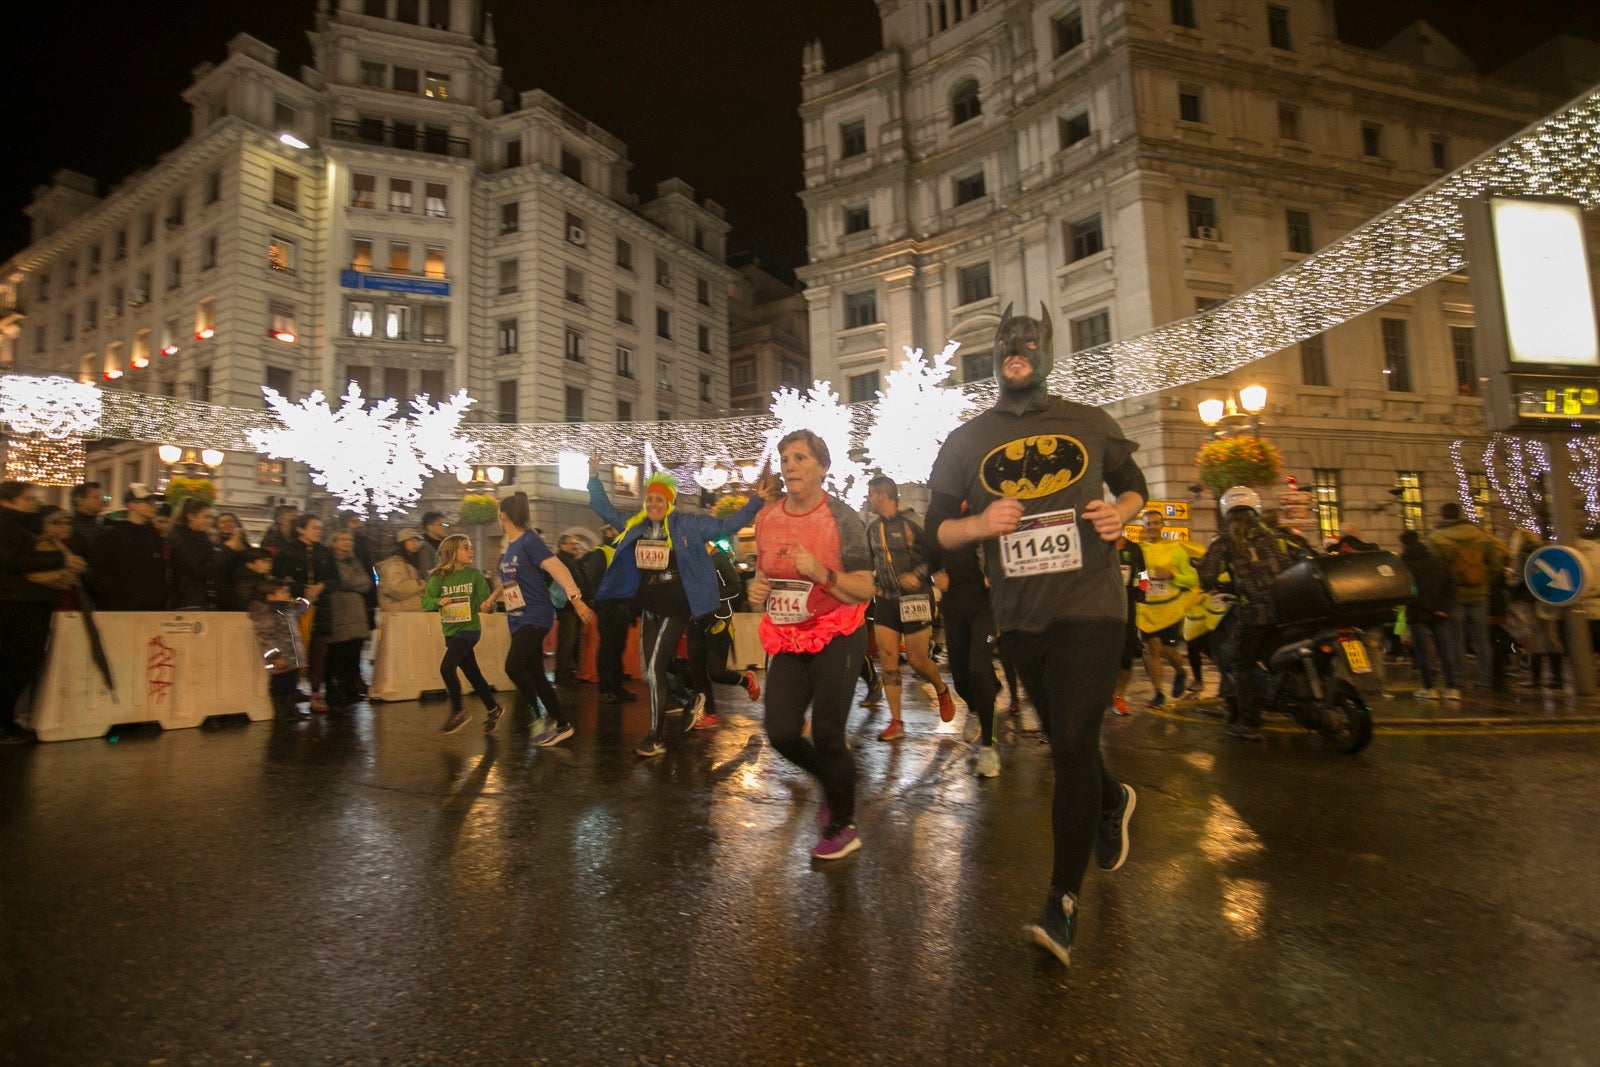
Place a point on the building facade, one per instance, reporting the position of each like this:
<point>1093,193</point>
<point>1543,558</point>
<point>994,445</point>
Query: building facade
<point>769,346</point>
<point>1127,163</point>
<point>393,216</point>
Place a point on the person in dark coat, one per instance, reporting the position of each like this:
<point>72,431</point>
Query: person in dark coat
<point>88,501</point>
<point>311,570</point>
<point>31,584</point>
<point>1428,618</point>
<point>196,562</point>
<point>282,531</point>
<point>243,581</point>
<point>128,566</point>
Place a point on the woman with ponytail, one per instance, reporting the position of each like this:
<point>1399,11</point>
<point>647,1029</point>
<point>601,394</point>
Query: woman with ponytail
<point>531,615</point>
<point>661,565</point>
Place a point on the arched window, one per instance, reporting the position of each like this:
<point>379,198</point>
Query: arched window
<point>964,103</point>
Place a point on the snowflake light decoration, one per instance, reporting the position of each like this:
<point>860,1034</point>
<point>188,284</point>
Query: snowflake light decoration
<point>362,455</point>
<point>914,414</point>
<point>819,410</point>
<point>53,407</point>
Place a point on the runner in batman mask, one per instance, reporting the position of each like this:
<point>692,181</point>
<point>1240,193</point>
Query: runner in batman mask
<point>1026,480</point>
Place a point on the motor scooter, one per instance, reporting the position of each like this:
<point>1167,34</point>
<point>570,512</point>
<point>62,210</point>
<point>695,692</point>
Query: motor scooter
<point>1319,672</point>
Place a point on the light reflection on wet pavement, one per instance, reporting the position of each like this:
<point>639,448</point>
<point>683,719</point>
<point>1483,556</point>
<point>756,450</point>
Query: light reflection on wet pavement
<point>359,889</point>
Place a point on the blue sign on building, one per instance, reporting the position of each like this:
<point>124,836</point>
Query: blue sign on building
<point>391,283</point>
<point>1555,574</point>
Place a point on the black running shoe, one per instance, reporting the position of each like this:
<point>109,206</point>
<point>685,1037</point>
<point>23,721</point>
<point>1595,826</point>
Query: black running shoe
<point>1052,931</point>
<point>1111,841</point>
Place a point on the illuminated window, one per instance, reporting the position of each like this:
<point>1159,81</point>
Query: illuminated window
<point>280,254</point>
<point>397,322</point>
<point>361,254</point>
<point>1409,486</point>
<point>433,266</point>
<point>436,85</point>
<point>399,257</point>
<point>1325,487</point>
<point>281,322</point>
<point>360,318</point>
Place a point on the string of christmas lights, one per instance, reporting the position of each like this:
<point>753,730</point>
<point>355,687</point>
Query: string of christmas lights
<point>1411,245</point>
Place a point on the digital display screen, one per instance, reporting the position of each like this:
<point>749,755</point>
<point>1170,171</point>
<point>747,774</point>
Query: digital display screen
<point>1556,400</point>
<point>1544,282</point>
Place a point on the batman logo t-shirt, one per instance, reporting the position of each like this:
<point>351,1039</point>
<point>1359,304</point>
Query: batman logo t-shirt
<point>1052,457</point>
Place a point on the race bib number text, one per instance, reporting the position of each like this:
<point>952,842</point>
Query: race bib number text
<point>916,608</point>
<point>786,601</point>
<point>455,611</point>
<point>1046,543</point>
<point>650,555</point>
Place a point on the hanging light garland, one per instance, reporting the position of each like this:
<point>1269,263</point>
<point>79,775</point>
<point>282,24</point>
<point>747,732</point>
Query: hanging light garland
<point>1413,244</point>
<point>43,460</point>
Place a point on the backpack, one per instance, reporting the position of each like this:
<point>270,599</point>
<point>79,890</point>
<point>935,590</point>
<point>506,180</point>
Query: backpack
<point>1467,565</point>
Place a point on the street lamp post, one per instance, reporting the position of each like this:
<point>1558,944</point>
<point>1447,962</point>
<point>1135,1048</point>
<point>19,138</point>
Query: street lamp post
<point>201,463</point>
<point>476,479</point>
<point>1239,413</point>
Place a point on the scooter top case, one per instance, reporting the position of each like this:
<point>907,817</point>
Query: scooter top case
<point>1358,589</point>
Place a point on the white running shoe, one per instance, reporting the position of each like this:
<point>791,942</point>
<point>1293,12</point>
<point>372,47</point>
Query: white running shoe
<point>988,762</point>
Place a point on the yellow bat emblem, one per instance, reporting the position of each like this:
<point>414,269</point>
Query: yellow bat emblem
<point>1034,467</point>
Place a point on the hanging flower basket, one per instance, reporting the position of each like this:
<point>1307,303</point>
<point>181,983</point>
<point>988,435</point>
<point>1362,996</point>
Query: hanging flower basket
<point>1229,461</point>
<point>181,488</point>
<point>478,510</point>
<point>730,505</point>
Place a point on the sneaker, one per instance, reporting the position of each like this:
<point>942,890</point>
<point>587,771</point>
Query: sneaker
<point>1157,701</point>
<point>1031,723</point>
<point>453,723</point>
<point>319,706</point>
<point>873,698</point>
<point>971,729</point>
<point>492,719</point>
<point>557,733</point>
<point>751,686</point>
<point>1121,706</point>
<point>623,696</point>
<point>1177,683</point>
<point>947,705</point>
<point>837,842</point>
<point>609,696</point>
<point>697,711</point>
<point>651,748</point>
<point>1195,685</point>
<point>1426,694</point>
<point>1111,843</point>
<point>893,732</point>
<point>539,727</point>
<point>708,722</point>
<point>988,762</point>
<point>1243,731</point>
<point>1453,694</point>
<point>1052,931</point>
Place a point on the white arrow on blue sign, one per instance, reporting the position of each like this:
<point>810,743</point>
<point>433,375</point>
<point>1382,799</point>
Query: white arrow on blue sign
<point>1555,574</point>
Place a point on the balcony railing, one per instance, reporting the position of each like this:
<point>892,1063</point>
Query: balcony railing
<point>406,138</point>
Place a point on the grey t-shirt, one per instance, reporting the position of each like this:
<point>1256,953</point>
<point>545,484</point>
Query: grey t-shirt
<point>1053,456</point>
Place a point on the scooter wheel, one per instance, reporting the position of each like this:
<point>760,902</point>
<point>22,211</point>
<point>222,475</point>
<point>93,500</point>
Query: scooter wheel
<point>1349,721</point>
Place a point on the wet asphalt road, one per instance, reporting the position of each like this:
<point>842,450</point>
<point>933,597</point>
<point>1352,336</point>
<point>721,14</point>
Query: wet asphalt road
<point>359,890</point>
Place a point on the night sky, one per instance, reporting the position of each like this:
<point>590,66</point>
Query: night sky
<point>701,90</point>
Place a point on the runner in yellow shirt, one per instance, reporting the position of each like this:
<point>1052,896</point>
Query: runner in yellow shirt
<point>1174,585</point>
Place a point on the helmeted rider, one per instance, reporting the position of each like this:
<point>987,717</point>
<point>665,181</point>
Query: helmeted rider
<point>1250,554</point>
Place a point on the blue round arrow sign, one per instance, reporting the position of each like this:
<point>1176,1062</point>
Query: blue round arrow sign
<point>1555,575</point>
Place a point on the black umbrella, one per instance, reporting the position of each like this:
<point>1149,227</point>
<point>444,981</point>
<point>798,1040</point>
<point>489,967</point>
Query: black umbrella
<point>97,647</point>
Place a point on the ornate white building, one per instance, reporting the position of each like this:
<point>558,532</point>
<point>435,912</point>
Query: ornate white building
<point>394,216</point>
<point>1125,163</point>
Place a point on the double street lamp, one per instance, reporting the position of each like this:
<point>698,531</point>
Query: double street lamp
<point>480,477</point>
<point>1239,413</point>
<point>194,461</point>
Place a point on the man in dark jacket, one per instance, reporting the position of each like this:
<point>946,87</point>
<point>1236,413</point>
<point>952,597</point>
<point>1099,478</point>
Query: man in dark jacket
<point>1428,618</point>
<point>31,584</point>
<point>88,501</point>
<point>128,566</point>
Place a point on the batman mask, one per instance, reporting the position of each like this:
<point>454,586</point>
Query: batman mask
<point>1030,339</point>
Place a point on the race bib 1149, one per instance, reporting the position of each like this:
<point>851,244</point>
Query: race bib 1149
<point>1046,543</point>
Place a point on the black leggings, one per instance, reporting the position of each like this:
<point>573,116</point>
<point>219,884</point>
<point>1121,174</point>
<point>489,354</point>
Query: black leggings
<point>459,655</point>
<point>1199,646</point>
<point>1070,671</point>
<point>525,668</point>
<point>968,634</point>
<point>825,680</point>
<point>658,644</point>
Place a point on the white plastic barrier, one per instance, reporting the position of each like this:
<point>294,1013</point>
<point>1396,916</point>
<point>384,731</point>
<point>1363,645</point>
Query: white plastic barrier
<point>171,668</point>
<point>747,651</point>
<point>407,648</point>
